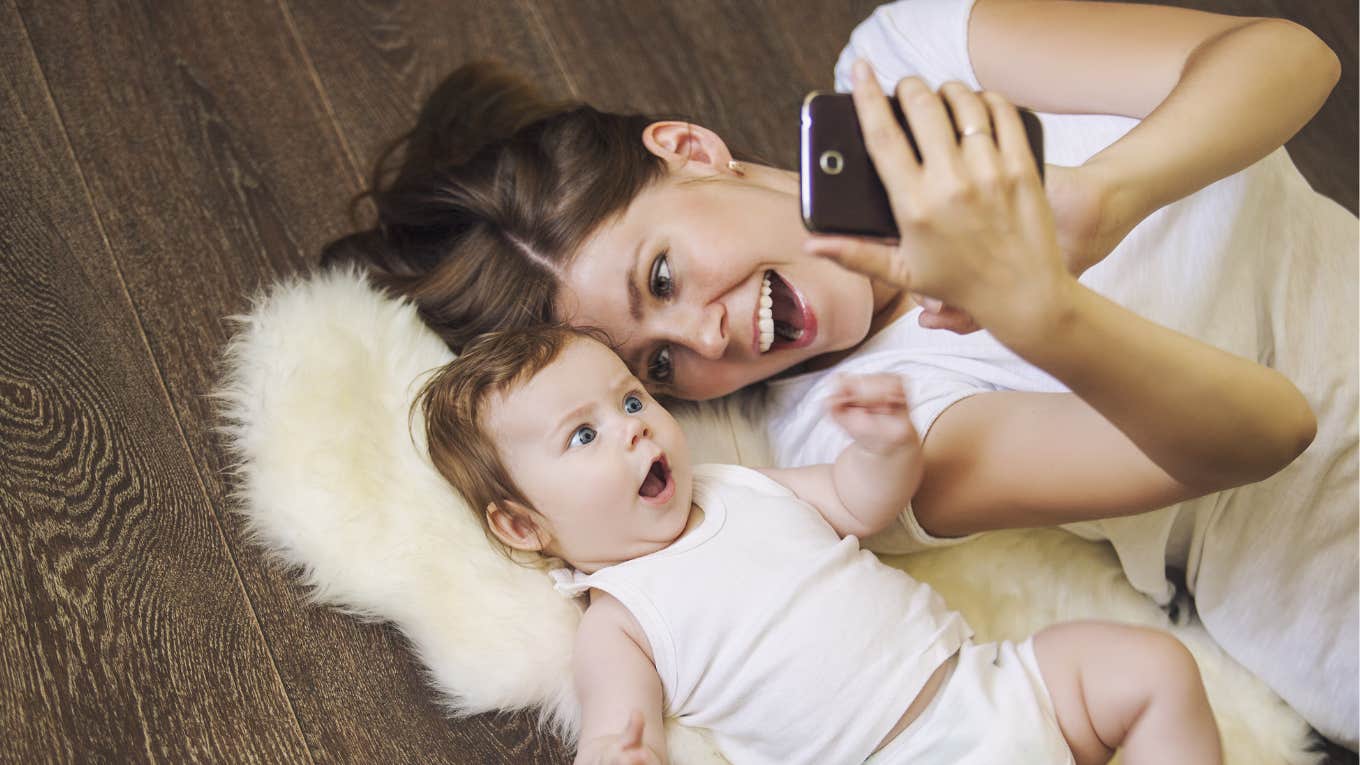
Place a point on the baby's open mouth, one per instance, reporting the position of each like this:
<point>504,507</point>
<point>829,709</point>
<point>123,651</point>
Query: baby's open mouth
<point>658,478</point>
<point>780,316</point>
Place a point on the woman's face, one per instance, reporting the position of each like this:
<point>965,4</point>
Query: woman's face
<point>677,280</point>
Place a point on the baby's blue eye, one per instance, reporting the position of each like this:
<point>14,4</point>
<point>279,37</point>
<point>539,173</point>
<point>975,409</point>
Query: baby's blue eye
<point>632,404</point>
<point>583,435</point>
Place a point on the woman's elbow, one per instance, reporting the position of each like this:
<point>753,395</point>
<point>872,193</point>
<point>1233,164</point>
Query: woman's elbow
<point>1309,50</point>
<point>1302,431</point>
<point>1268,447</point>
<point>1294,428</point>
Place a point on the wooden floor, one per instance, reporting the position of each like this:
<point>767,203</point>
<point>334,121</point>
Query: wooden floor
<point>161,160</point>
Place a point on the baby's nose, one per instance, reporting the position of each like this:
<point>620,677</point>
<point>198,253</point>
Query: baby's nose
<point>636,430</point>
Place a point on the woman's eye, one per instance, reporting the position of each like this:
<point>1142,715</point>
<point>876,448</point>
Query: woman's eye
<point>661,277</point>
<point>632,404</point>
<point>583,435</point>
<point>659,369</point>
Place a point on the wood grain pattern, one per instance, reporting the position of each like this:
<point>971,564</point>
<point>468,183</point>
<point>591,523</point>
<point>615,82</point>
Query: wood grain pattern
<point>216,168</point>
<point>376,60</point>
<point>165,159</point>
<point>218,172</point>
<point>125,633</point>
<point>741,69</point>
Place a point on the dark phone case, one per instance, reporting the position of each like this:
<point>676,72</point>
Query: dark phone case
<point>853,200</point>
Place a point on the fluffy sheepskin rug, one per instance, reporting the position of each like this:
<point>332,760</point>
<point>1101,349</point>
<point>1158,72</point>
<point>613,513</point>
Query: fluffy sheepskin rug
<point>317,386</point>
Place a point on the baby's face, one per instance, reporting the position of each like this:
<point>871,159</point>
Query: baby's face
<point>605,464</point>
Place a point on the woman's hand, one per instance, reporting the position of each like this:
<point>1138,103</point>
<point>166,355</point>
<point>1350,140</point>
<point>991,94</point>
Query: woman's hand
<point>976,231</point>
<point>1092,218</point>
<point>1091,221</point>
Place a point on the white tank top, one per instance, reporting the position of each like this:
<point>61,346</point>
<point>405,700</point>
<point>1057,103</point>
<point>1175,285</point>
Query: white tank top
<point>789,643</point>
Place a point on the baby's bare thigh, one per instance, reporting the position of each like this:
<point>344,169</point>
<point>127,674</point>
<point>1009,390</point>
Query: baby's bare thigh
<point>1101,674</point>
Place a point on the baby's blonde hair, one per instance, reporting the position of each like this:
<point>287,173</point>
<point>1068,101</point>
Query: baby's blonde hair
<point>453,404</point>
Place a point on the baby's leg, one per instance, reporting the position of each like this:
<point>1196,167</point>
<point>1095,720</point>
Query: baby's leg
<point>1130,688</point>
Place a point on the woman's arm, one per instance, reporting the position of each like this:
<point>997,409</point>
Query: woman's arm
<point>615,680</point>
<point>1215,93</point>
<point>976,232</point>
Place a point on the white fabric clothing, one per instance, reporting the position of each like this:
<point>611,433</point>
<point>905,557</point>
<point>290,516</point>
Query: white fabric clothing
<point>788,642</point>
<point>1257,264</point>
<point>994,707</point>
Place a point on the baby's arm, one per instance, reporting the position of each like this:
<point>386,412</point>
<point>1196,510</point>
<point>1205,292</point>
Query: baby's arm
<point>619,690</point>
<point>874,478</point>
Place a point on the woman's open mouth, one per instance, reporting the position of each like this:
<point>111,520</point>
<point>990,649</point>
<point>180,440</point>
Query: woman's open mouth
<point>783,319</point>
<point>659,485</point>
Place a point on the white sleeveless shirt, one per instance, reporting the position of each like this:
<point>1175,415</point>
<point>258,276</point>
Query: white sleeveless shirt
<point>788,642</point>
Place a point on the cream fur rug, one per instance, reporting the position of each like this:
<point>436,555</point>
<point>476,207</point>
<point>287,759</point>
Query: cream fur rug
<point>314,396</point>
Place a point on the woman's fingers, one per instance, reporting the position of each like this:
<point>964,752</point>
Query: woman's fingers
<point>976,139</point>
<point>883,137</point>
<point>930,124</point>
<point>950,318</point>
<point>1017,161</point>
<point>865,256</point>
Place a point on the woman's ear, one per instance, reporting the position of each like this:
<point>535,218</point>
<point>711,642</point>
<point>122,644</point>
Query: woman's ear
<point>515,525</point>
<point>682,143</point>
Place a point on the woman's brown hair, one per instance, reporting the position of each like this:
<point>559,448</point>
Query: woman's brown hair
<point>495,192</point>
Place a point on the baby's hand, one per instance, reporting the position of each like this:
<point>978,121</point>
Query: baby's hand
<point>873,410</point>
<point>627,748</point>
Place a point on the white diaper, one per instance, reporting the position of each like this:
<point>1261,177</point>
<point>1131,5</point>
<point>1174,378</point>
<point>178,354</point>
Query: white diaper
<point>994,708</point>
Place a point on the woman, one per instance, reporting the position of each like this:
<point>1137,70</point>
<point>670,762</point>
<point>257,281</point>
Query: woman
<point>1070,409</point>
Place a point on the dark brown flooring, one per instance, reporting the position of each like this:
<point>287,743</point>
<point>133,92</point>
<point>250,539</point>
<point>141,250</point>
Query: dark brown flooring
<point>161,160</point>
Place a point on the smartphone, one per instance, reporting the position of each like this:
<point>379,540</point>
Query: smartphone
<point>841,192</point>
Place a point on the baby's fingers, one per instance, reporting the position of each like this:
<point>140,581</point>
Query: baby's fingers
<point>868,390</point>
<point>874,259</point>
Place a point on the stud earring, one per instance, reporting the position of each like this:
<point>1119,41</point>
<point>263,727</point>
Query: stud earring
<point>737,168</point>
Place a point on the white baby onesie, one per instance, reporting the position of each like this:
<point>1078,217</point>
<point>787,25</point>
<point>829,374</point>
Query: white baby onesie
<point>788,642</point>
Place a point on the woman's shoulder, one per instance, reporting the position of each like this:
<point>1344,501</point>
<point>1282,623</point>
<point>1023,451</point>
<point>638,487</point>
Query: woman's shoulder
<point>923,38</point>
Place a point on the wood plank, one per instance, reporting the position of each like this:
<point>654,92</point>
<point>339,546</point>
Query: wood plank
<point>739,68</point>
<point>216,168</point>
<point>377,62</point>
<point>125,634</point>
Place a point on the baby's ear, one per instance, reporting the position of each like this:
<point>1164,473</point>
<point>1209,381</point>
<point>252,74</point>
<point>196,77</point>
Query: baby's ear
<point>516,526</point>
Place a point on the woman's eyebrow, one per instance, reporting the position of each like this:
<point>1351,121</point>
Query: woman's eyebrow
<point>630,279</point>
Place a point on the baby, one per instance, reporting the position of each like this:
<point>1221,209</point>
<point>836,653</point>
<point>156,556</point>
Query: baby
<point>739,599</point>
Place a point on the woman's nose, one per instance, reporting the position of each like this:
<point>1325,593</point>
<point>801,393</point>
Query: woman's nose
<point>706,333</point>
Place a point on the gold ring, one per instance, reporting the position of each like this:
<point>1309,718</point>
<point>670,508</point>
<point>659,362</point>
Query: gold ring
<point>974,130</point>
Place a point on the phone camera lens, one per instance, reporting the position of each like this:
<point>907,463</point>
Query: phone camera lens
<point>831,162</point>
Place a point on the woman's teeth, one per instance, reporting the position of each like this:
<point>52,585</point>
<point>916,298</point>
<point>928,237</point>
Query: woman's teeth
<point>769,328</point>
<point>766,315</point>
